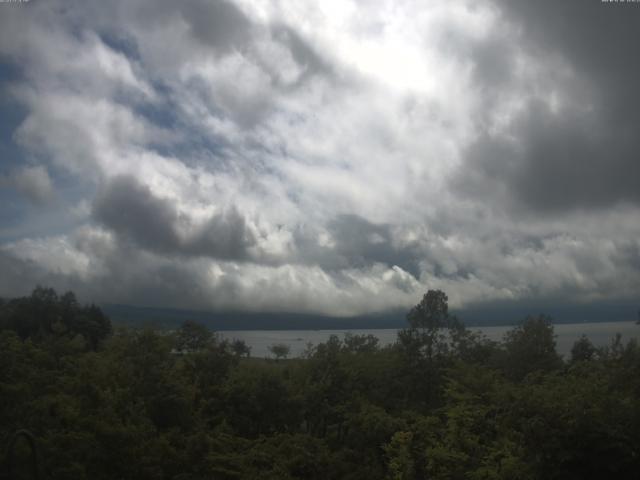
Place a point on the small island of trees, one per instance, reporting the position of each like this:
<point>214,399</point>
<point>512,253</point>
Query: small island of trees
<point>440,403</point>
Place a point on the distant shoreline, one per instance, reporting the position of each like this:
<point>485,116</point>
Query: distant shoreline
<point>242,321</point>
<point>599,333</point>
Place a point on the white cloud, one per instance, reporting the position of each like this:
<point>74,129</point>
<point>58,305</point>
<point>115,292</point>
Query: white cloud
<point>294,114</point>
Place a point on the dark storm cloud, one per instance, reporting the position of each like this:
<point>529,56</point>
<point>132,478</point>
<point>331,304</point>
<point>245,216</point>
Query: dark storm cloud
<point>127,278</point>
<point>599,39</point>
<point>224,236</point>
<point>362,243</point>
<point>175,284</point>
<point>492,58</point>
<point>551,162</point>
<point>33,183</point>
<point>301,51</point>
<point>628,254</point>
<point>132,211</point>
<point>218,23</point>
<point>584,154</point>
<point>493,61</point>
<point>18,276</point>
<point>355,243</point>
<point>213,23</point>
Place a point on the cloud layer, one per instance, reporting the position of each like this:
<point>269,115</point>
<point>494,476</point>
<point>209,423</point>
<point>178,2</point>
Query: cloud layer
<point>325,157</point>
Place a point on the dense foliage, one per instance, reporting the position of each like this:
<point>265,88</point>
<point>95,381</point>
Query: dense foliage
<point>441,403</point>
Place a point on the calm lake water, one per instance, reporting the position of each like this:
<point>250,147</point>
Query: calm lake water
<point>600,334</point>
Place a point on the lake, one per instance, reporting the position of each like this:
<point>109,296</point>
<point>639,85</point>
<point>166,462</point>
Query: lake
<point>600,334</point>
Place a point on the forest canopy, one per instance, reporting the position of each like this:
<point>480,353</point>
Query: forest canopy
<point>440,403</point>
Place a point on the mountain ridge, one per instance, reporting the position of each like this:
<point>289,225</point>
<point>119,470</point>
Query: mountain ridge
<point>497,314</point>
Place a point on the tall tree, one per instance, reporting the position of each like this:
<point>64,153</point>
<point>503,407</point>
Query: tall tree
<point>280,350</point>
<point>531,347</point>
<point>583,350</point>
<point>193,336</point>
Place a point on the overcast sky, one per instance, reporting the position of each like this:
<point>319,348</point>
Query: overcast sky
<point>322,157</point>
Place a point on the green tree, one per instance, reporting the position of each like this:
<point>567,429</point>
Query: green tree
<point>400,464</point>
<point>427,321</point>
<point>240,348</point>
<point>259,400</point>
<point>280,350</point>
<point>426,347</point>
<point>360,343</point>
<point>530,347</point>
<point>91,323</point>
<point>44,314</point>
<point>583,350</point>
<point>192,336</point>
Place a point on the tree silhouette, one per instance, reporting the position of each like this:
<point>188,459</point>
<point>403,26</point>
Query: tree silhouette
<point>193,336</point>
<point>280,350</point>
<point>531,347</point>
<point>240,348</point>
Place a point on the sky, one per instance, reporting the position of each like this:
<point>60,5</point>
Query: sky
<point>336,158</point>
